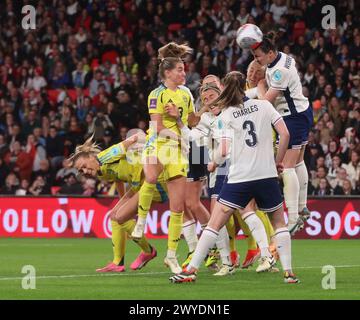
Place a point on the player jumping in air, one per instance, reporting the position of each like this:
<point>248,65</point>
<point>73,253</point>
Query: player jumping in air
<point>283,89</point>
<point>163,152</point>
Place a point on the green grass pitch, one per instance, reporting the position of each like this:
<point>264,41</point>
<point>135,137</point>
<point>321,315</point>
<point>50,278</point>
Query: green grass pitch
<point>65,269</point>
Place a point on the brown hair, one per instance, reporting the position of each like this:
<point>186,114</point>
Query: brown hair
<point>269,42</point>
<point>171,54</point>
<point>89,148</point>
<point>234,90</point>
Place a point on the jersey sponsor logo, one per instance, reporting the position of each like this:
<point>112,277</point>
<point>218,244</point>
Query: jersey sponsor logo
<point>152,104</point>
<point>277,76</point>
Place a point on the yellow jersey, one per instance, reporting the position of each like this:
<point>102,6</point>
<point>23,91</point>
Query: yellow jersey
<point>182,98</point>
<point>118,165</point>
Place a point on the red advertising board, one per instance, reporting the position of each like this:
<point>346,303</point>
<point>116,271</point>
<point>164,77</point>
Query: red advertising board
<point>89,217</point>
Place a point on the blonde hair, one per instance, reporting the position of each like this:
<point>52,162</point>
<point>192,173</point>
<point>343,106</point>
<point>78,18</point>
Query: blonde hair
<point>256,65</point>
<point>171,54</point>
<point>209,86</point>
<point>206,87</point>
<point>234,91</point>
<point>87,149</point>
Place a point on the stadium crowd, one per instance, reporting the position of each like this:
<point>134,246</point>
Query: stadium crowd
<point>89,66</point>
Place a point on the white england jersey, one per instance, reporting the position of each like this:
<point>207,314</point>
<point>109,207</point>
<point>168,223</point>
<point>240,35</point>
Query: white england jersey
<point>282,75</point>
<point>252,93</point>
<point>250,130</point>
<point>206,133</point>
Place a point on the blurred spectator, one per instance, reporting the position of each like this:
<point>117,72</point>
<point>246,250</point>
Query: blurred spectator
<point>192,78</point>
<point>11,184</point>
<point>341,176</point>
<point>4,170</point>
<point>55,147</point>
<point>323,188</point>
<point>36,150</point>
<point>39,186</point>
<point>19,161</point>
<point>79,75</point>
<point>321,173</point>
<point>353,167</point>
<point>45,171</point>
<point>346,189</point>
<point>23,188</point>
<point>71,185</point>
<point>64,171</point>
<point>89,187</point>
<point>278,9</point>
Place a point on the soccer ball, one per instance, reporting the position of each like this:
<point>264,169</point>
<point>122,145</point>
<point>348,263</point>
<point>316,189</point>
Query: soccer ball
<point>249,36</point>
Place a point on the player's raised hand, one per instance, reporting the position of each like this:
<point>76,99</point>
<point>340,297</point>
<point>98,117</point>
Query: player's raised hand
<point>172,110</point>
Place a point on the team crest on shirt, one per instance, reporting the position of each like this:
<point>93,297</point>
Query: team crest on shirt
<point>184,99</point>
<point>220,124</point>
<point>152,104</point>
<point>277,76</point>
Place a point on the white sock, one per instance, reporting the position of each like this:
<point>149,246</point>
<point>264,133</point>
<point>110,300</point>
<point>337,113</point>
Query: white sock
<point>141,220</point>
<point>291,193</point>
<point>171,253</point>
<point>283,246</point>
<point>189,232</point>
<point>303,178</point>
<point>223,245</point>
<point>206,241</point>
<point>257,230</point>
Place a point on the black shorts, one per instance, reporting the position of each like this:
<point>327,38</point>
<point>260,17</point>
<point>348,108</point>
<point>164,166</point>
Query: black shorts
<point>197,167</point>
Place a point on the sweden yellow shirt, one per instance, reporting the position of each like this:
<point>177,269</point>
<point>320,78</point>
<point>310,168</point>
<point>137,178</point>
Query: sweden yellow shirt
<point>161,96</point>
<point>117,165</point>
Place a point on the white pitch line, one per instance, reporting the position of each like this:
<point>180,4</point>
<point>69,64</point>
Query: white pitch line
<point>38,245</point>
<point>341,266</point>
<point>89,275</point>
<point>144,273</point>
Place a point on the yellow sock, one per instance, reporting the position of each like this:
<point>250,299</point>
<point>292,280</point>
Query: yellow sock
<point>249,238</point>
<point>146,194</point>
<point>119,243</point>
<point>230,226</point>
<point>267,224</point>
<point>128,227</point>
<point>175,228</point>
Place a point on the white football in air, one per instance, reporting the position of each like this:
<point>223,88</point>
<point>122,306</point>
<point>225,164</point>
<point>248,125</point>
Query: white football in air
<point>248,36</point>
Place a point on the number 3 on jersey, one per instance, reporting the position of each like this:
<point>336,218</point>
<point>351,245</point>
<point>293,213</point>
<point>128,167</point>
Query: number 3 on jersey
<point>250,127</point>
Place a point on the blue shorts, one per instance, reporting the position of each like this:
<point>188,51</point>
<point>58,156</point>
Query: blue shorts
<point>197,167</point>
<point>266,193</point>
<point>215,191</point>
<point>299,125</point>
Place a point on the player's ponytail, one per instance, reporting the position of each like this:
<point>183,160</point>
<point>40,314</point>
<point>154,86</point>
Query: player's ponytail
<point>269,42</point>
<point>87,149</point>
<point>234,91</point>
<point>171,54</point>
